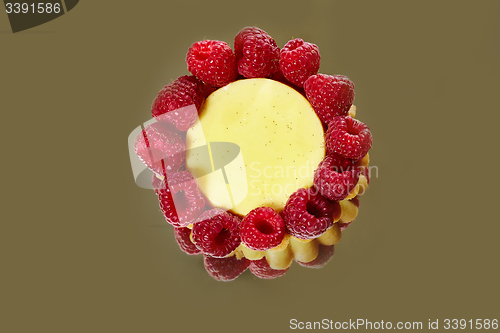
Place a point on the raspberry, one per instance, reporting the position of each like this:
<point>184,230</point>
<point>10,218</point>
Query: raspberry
<point>180,199</point>
<point>260,268</point>
<point>157,183</point>
<point>257,54</point>
<point>160,148</point>
<point>343,226</point>
<point>299,60</point>
<point>225,269</point>
<point>216,233</point>
<point>182,238</point>
<point>212,61</point>
<point>208,89</point>
<point>324,256</point>
<point>278,76</point>
<point>348,137</point>
<point>336,177</point>
<point>355,201</point>
<point>262,229</point>
<point>341,164</point>
<point>330,95</point>
<point>308,214</point>
<point>178,102</point>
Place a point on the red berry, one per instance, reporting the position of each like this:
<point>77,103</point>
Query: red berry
<point>341,164</point>
<point>160,148</point>
<point>262,229</point>
<point>278,76</point>
<point>343,226</point>
<point>225,269</point>
<point>179,101</point>
<point>348,137</point>
<point>167,205</point>
<point>208,89</point>
<point>330,95</point>
<point>261,269</point>
<point>181,201</point>
<point>324,256</point>
<point>212,61</point>
<point>336,177</point>
<point>308,214</point>
<point>299,60</point>
<point>157,183</point>
<point>182,238</point>
<point>216,233</point>
<point>257,54</point>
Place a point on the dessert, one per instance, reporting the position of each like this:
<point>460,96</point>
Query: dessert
<point>280,137</point>
<point>258,159</point>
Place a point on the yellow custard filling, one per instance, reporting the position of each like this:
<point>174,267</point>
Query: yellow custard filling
<point>275,144</point>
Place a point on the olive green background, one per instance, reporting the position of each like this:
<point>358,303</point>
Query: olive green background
<point>83,249</point>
